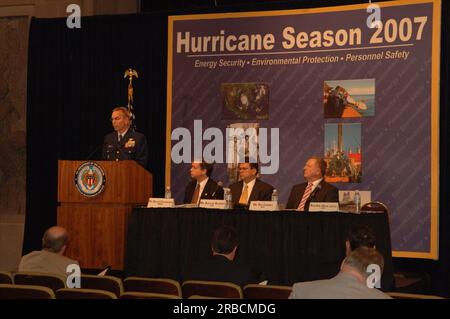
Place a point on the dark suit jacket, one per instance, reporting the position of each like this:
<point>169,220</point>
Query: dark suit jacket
<point>260,191</point>
<point>113,150</point>
<point>219,268</point>
<point>324,192</point>
<point>211,191</point>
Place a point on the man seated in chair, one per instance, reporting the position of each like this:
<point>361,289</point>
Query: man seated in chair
<point>51,258</point>
<point>315,189</point>
<point>202,186</point>
<point>222,267</point>
<point>352,282</point>
<point>359,236</point>
<point>249,188</point>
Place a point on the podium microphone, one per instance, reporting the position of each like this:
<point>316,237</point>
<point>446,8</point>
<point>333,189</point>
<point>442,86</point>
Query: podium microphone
<point>94,151</point>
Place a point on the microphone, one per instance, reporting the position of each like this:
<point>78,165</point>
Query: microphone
<point>316,190</point>
<point>219,185</point>
<point>94,151</point>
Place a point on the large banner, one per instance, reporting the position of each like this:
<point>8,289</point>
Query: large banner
<point>357,85</point>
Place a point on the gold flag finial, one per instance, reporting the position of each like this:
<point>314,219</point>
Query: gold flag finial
<point>130,73</point>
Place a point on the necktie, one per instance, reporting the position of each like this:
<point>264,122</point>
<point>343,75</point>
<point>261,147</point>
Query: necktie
<point>305,197</point>
<point>196,194</point>
<point>120,137</point>
<point>244,196</point>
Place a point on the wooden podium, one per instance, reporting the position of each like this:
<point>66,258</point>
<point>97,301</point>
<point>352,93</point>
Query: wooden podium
<point>98,226</point>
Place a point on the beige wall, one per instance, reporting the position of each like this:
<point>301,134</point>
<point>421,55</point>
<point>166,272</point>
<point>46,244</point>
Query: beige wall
<point>57,8</point>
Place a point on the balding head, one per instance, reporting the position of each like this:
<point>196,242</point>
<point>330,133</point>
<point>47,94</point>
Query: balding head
<point>360,259</point>
<point>55,240</point>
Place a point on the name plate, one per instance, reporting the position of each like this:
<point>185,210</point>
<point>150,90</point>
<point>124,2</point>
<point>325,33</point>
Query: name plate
<point>213,203</point>
<point>160,202</point>
<point>257,205</point>
<point>323,207</point>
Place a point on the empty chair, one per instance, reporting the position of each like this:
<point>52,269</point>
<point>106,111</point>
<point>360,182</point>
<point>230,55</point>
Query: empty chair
<point>254,291</point>
<point>152,285</point>
<point>6,277</point>
<point>108,283</point>
<point>374,207</point>
<point>402,295</point>
<point>211,289</point>
<point>146,295</point>
<point>79,293</point>
<point>54,282</point>
<point>8,291</point>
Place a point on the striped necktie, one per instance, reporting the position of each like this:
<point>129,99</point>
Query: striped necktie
<point>305,197</point>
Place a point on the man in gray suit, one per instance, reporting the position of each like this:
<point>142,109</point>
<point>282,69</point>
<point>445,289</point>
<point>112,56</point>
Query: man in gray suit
<point>350,283</point>
<point>50,259</point>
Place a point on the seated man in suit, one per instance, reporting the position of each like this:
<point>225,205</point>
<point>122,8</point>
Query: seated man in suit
<point>359,236</point>
<point>125,143</point>
<point>202,185</point>
<point>350,282</point>
<point>315,189</point>
<point>51,258</point>
<point>249,187</point>
<point>222,267</point>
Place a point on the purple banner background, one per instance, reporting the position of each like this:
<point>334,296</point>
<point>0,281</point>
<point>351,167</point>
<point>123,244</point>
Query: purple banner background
<point>396,142</point>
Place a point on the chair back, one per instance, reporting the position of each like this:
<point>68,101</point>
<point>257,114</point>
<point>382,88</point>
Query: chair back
<point>152,285</point>
<point>6,278</point>
<point>108,283</point>
<point>147,295</point>
<point>374,207</point>
<point>402,295</point>
<point>8,291</point>
<point>254,291</point>
<point>211,289</point>
<point>54,282</point>
<point>79,293</point>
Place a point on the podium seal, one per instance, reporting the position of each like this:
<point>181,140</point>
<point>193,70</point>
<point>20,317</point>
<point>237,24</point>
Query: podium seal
<point>90,179</point>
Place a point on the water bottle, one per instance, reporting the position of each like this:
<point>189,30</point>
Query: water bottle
<point>357,200</point>
<point>275,196</point>
<point>228,198</point>
<point>168,193</point>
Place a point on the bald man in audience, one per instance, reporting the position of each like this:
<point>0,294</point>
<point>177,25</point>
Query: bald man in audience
<point>51,258</point>
<point>350,283</point>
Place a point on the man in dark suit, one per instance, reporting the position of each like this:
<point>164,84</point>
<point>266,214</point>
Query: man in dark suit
<point>125,143</point>
<point>249,188</point>
<point>222,267</point>
<point>202,185</point>
<point>315,189</point>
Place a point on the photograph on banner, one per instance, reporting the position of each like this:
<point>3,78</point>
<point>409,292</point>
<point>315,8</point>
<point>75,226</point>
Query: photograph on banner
<point>343,152</point>
<point>347,200</point>
<point>349,98</point>
<point>242,143</point>
<point>245,101</point>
